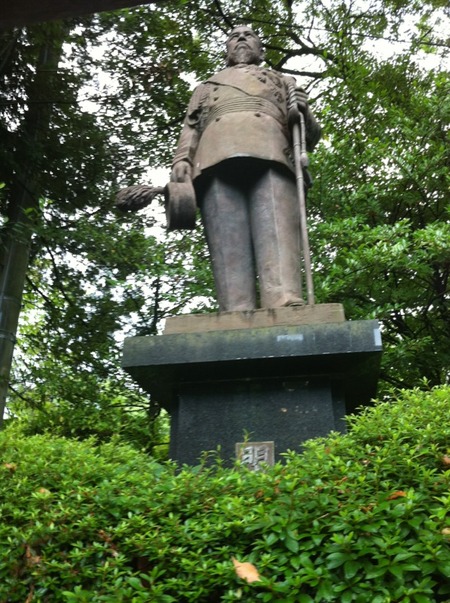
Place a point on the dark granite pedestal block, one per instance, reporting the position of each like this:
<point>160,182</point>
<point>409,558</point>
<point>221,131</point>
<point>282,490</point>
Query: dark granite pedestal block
<point>280,384</point>
<point>285,412</point>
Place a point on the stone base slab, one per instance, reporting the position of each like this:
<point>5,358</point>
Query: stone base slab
<point>273,317</point>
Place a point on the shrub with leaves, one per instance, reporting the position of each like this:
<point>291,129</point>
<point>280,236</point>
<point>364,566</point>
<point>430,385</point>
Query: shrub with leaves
<point>361,517</point>
<point>89,408</point>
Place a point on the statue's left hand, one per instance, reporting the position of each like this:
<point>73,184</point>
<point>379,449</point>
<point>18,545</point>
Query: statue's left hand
<point>302,100</point>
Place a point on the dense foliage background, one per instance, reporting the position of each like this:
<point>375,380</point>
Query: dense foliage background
<point>90,105</point>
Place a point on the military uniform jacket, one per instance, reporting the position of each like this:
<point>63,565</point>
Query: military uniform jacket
<point>240,112</point>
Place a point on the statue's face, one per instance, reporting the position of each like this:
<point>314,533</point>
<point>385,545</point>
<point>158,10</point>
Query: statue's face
<point>243,46</point>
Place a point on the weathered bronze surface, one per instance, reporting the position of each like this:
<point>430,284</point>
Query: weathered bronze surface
<point>180,205</point>
<point>236,147</point>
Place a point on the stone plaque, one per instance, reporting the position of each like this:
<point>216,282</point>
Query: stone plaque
<point>255,454</point>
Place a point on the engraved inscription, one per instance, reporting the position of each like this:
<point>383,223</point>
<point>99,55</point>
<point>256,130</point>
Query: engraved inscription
<point>255,454</point>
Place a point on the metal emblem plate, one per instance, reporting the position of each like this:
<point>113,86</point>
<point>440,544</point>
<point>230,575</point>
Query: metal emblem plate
<point>255,454</point>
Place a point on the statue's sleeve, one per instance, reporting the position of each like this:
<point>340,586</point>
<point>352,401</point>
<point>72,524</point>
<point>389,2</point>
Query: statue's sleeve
<point>313,131</point>
<point>192,126</point>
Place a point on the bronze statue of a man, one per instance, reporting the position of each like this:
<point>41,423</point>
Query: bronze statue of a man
<point>236,147</point>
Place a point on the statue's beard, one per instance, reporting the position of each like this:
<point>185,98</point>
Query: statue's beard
<point>243,54</point>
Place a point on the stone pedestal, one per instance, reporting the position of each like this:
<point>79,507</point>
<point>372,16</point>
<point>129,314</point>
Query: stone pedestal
<point>277,383</point>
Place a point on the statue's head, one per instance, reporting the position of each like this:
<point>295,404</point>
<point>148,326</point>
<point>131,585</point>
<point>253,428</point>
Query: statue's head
<point>244,46</point>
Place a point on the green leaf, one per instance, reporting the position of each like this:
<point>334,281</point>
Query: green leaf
<point>351,568</point>
<point>271,538</point>
<point>292,544</point>
<point>396,570</point>
<point>337,559</point>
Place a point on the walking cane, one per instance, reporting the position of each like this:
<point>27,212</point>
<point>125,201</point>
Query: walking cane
<point>297,123</point>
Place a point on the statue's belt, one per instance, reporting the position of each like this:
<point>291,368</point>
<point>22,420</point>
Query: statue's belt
<point>254,104</point>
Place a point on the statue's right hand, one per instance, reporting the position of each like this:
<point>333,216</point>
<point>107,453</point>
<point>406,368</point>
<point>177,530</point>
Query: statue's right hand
<point>181,172</point>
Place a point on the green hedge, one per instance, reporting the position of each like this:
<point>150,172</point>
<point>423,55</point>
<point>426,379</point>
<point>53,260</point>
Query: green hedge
<point>362,517</point>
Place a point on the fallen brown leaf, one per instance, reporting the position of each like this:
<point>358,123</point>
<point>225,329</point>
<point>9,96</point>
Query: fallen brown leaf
<point>398,494</point>
<point>246,571</point>
<point>44,492</point>
<point>31,557</point>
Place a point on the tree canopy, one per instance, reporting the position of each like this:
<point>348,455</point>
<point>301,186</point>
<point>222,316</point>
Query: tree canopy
<point>92,105</point>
